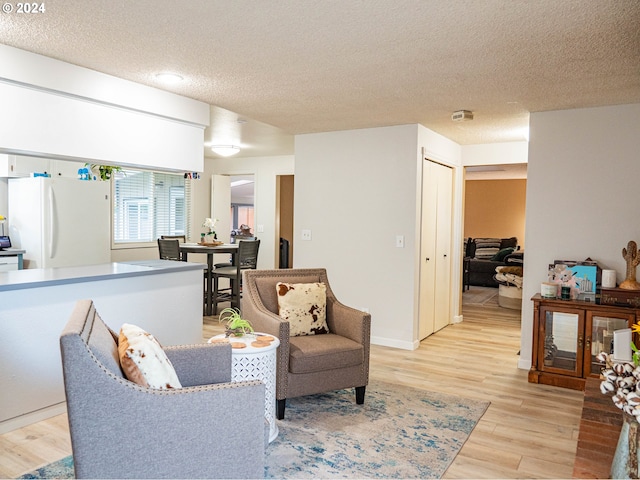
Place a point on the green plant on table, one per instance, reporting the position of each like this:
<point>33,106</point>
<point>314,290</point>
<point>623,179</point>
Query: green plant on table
<point>234,323</point>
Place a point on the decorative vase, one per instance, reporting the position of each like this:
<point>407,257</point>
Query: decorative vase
<point>625,460</point>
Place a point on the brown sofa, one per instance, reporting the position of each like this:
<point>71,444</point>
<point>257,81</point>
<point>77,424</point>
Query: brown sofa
<point>483,255</point>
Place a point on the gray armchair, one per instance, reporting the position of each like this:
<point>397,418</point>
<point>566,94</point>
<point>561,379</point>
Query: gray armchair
<point>211,428</point>
<point>316,363</point>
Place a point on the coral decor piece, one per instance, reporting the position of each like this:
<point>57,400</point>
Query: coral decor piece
<point>631,256</point>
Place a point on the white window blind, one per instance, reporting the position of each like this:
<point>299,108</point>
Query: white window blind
<point>147,205</point>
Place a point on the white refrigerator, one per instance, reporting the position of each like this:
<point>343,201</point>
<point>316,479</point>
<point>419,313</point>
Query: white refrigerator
<point>59,221</point>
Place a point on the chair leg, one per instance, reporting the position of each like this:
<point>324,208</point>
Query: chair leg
<point>281,404</point>
<point>360,394</point>
<point>214,296</point>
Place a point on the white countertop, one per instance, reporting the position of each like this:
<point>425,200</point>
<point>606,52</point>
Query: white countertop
<point>7,252</point>
<point>42,277</point>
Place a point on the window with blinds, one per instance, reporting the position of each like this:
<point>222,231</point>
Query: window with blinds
<point>147,205</point>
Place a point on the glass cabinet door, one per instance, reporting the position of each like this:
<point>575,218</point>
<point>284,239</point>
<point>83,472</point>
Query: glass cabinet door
<point>601,330</point>
<point>562,344</point>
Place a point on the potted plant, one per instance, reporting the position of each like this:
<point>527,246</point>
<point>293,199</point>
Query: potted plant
<point>234,323</point>
<point>210,236</point>
<point>105,172</point>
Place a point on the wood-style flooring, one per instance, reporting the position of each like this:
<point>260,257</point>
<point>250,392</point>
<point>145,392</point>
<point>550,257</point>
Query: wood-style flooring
<point>528,431</point>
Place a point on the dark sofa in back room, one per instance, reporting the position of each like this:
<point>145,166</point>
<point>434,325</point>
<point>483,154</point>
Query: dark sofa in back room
<point>483,255</point>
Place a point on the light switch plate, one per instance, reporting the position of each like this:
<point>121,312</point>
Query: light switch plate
<point>400,241</point>
<point>260,228</point>
<point>306,234</point>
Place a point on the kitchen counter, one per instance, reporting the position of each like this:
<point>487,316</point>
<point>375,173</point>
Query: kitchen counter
<point>42,277</point>
<point>160,296</point>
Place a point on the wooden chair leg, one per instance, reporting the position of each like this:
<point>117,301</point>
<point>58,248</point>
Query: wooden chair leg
<point>281,404</point>
<point>360,394</point>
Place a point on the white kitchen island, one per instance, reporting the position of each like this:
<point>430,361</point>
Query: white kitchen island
<point>163,297</point>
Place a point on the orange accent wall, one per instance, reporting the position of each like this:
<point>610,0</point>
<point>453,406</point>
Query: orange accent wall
<point>495,208</point>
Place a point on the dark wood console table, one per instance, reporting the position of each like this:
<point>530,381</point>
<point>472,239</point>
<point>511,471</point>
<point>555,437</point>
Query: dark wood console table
<point>567,336</point>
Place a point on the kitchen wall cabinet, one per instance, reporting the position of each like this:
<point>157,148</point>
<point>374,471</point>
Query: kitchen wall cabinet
<point>23,166</point>
<point>567,337</point>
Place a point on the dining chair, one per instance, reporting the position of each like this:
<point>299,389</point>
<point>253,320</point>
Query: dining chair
<point>169,249</point>
<point>247,260</point>
<point>180,238</point>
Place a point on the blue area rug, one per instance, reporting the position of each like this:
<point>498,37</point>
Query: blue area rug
<point>399,432</point>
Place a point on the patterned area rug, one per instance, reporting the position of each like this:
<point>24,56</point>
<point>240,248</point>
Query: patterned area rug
<point>399,432</point>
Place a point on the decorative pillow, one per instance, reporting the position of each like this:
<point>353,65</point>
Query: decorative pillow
<point>510,269</point>
<point>487,247</point>
<point>143,360</point>
<point>304,306</point>
<point>499,257</point>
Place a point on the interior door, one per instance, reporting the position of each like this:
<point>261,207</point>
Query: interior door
<point>426,324</point>
<point>443,246</point>
<point>221,206</point>
<point>435,266</point>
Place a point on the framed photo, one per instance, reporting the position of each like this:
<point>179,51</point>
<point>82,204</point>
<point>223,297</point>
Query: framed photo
<point>581,277</point>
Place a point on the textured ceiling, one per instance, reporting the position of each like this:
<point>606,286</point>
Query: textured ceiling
<point>319,65</point>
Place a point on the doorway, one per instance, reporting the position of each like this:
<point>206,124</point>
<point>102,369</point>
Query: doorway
<point>494,208</point>
<point>242,214</point>
<point>284,219</point>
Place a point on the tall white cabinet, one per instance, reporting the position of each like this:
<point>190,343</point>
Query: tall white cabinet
<point>435,248</point>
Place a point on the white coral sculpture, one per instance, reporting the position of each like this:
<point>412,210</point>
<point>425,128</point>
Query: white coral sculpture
<point>622,381</point>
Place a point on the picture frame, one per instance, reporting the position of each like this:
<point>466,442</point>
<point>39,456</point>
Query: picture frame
<point>582,277</point>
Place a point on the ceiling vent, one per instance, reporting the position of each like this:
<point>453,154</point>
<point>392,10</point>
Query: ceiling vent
<point>462,115</point>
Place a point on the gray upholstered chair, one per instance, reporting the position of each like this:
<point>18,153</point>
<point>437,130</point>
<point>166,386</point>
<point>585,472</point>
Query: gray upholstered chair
<point>314,363</point>
<point>210,428</point>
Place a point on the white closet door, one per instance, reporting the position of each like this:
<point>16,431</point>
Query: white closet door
<point>435,261</point>
<point>443,247</point>
<point>426,324</point>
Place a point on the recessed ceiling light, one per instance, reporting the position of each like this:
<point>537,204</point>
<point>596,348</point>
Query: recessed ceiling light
<point>225,150</point>
<point>168,77</point>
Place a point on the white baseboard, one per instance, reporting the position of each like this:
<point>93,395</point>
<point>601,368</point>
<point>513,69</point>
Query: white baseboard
<point>390,342</point>
<point>457,319</point>
<point>32,417</point>
<point>524,364</point>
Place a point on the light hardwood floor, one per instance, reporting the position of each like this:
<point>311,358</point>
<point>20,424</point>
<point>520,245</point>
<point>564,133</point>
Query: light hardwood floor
<point>528,431</point>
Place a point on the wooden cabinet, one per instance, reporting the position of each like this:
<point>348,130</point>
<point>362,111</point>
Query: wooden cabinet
<point>567,336</point>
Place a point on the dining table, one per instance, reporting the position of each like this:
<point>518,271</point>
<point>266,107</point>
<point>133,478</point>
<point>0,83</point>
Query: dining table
<point>210,251</point>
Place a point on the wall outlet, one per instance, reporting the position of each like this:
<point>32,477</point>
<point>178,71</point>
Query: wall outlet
<point>400,241</point>
<point>306,234</point>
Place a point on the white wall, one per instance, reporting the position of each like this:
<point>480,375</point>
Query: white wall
<point>356,190</point>
<point>495,153</point>
<point>265,171</point>
<point>582,194</point>
<point>83,115</point>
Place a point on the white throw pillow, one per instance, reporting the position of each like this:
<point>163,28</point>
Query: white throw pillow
<point>144,361</point>
<point>304,305</point>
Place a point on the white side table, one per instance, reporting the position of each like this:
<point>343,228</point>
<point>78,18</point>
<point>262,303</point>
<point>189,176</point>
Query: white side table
<point>255,362</point>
